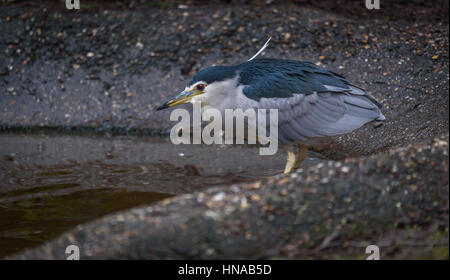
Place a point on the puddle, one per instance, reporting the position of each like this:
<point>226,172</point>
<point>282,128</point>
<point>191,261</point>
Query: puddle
<point>50,182</point>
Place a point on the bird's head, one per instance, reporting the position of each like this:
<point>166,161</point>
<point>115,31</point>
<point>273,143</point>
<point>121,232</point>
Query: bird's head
<point>206,85</point>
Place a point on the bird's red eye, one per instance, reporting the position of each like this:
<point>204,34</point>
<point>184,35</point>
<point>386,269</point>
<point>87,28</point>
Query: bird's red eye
<point>200,87</point>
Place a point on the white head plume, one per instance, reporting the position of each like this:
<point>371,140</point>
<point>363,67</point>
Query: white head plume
<point>262,49</point>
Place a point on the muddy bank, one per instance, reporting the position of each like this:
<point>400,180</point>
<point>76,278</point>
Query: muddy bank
<point>107,70</point>
<point>352,199</point>
<point>51,182</point>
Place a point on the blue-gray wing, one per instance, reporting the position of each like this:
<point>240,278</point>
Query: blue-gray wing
<point>302,117</point>
<point>332,112</point>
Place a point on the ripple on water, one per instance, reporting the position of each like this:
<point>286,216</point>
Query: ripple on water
<point>50,183</point>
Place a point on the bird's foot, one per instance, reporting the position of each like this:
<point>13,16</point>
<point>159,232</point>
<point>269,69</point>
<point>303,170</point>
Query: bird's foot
<point>291,158</point>
<point>294,160</point>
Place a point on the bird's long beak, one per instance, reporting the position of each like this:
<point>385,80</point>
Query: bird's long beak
<point>180,98</point>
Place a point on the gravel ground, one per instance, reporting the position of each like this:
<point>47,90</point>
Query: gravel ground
<point>109,69</point>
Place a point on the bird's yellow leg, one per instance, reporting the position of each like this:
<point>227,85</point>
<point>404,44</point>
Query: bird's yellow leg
<point>291,159</point>
<point>294,160</point>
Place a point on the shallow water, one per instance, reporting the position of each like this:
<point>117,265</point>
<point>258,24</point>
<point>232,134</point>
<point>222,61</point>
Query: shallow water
<point>50,182</point>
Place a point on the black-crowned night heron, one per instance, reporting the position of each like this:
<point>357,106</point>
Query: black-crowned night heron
<point>312,102</point>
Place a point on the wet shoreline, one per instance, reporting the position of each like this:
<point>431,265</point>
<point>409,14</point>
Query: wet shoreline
<point>52,181</point>
<point>78,128</point>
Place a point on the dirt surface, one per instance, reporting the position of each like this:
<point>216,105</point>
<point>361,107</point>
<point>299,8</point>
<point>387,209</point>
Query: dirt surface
<point>107,70</point>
